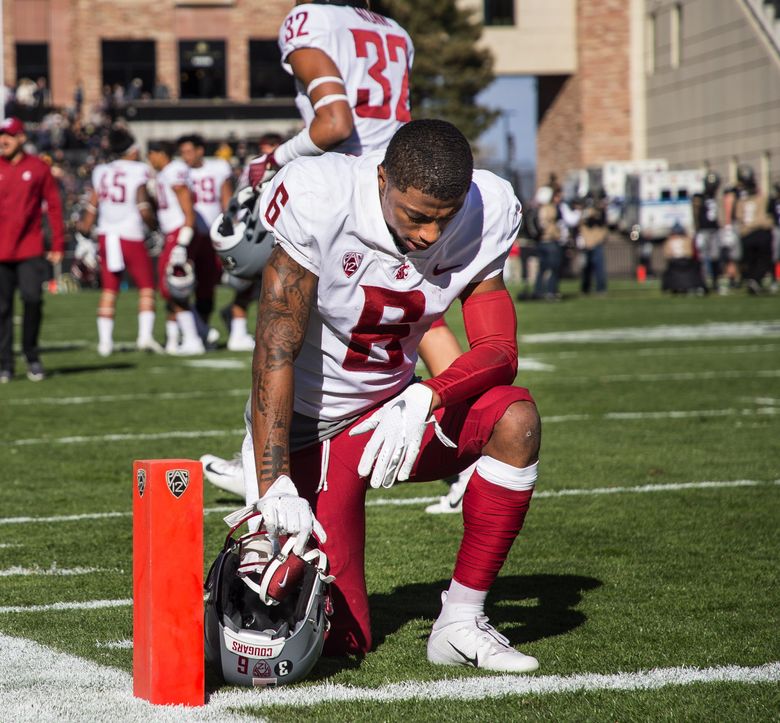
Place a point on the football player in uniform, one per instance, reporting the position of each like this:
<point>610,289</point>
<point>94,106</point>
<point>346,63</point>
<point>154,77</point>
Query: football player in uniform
<point>351,68</point>
<point>360,271</point>
<point>176,218</point>
<point>707,227</point>
<point>211,180</point>
<point>120,204</point>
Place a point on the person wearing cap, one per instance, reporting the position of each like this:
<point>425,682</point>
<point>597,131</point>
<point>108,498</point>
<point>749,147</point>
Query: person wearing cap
<point>26,182</point>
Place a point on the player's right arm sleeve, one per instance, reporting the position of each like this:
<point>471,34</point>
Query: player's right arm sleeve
<point>289,210</point>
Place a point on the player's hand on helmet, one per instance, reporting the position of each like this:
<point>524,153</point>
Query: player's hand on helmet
<point>399,426</point>
<point>285,512</point>
<point>261,169</point>
<point>184,237</point>
<point>178,256</point>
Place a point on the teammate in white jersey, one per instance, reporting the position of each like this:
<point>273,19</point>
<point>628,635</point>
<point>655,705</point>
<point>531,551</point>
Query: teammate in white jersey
<point>360,271</point>
<point>176,218</point>
<point>351,67</point>
<point>211,180</point>
<point>120,204</point>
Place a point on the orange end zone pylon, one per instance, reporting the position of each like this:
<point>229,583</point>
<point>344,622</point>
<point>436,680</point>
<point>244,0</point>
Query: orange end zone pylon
<point>168,581</point>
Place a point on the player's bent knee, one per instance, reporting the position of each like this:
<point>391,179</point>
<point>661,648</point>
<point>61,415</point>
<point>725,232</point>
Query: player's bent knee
<point>517,436</point>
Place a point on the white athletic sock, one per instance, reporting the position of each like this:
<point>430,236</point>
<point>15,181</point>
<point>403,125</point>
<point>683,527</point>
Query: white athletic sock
<point>105,327</point>
<point>171,332</point>
<point>238,327</point>
<point>462,604</point>
<point>145,325</point>
<point>189,331</point>
<point>507,476</point>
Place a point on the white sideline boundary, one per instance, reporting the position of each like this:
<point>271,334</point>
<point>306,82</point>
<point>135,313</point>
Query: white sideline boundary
<point>18,571</point>
<point>39,683</point>
<point>404,501</point>
<point>663,332</point>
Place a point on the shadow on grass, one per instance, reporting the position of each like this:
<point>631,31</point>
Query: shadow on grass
<point>525,608</point>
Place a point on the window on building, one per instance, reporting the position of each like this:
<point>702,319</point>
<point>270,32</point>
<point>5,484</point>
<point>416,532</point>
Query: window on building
<point>202,69</point>
<point>499,12</point>
<point>131,64</point>
<point>32,61</point>
<point>650,40</point>
<point>267,78</point>
<point>675,36</point>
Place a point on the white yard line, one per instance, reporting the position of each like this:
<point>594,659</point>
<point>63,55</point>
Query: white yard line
<point>39,683</point>
<point>656,350</point>
<point>138,397</point>
<point>479,688</point>
<point>670,332</point>
<point>405,501</point>
<point>54,607</point>
<point>17,571</point>
<point>239,433</point>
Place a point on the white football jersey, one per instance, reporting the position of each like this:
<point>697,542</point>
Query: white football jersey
<point>374,303</point>
<point>206,182</point>
<point>116,184</point>
<point>374,56</point>
<point>169,213</point>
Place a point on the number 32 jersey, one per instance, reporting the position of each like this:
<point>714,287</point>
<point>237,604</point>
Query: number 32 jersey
<point>373,55</point>
<point>374,303</point>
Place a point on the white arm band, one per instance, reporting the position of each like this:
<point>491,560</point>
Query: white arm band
<point>185,236</point>
<point>328,99</point>
<point>299,145</point>
<point>317,82</point>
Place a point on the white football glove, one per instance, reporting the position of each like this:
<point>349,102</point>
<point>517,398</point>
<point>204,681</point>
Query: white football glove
<point>286,513</point>
<point>178,256</point>
<point>399,426</point>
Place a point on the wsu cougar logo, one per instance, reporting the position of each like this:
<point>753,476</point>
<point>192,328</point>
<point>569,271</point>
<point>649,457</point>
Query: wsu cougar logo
<point>351,262</point>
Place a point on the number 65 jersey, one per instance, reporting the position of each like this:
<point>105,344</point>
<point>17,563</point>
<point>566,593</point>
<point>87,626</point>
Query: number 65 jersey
<point>374,303</point>
<point>373,55</point>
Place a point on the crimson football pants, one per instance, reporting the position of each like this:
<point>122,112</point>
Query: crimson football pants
<point>337,497</point>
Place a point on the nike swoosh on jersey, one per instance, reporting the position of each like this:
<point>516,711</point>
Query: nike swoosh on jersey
<point>474,661</point>
<point>439,271</point>
<point>284,579</point>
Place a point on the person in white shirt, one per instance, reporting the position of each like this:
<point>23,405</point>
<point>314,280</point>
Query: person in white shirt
<point>176,218</point>
<point>120,204</point>
<point>211,180</point>
<point>351,68</point>
<point>360,270</point>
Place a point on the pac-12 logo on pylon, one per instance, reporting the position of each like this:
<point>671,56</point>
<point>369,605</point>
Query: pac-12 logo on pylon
<point>177,480</point>
<point>140,478</point>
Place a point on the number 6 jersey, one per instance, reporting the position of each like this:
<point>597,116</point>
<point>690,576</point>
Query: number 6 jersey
<point>373,54</point>
<point>374,303</point>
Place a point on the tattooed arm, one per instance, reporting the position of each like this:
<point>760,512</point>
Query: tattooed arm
<point>288,293</point>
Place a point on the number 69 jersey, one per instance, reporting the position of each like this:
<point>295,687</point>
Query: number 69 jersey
<point>374,303</point>
<point>373,55</point>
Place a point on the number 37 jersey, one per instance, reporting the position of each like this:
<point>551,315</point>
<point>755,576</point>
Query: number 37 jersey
<point>373,55</point>
<point>374,303</point>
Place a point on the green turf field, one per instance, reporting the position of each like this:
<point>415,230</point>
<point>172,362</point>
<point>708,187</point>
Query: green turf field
<point>664,572</point>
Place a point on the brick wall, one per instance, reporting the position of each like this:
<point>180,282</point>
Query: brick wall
<point>75,29</point>
<point>585,119</point>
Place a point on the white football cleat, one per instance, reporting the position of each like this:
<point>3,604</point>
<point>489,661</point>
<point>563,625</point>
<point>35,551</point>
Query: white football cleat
<point>452,501</point>
<point>240,343</point>
<point>191,348</point>
<point>227,474</point>
<point>149,345</point>
<point>105,349</point>
<point>477,643</point>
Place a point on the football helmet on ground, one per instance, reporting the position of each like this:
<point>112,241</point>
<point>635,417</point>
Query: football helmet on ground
<point>267,609</point>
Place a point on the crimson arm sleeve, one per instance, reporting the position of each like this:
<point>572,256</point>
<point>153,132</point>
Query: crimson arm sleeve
<point>51,194</point>
<point>491,328</point>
